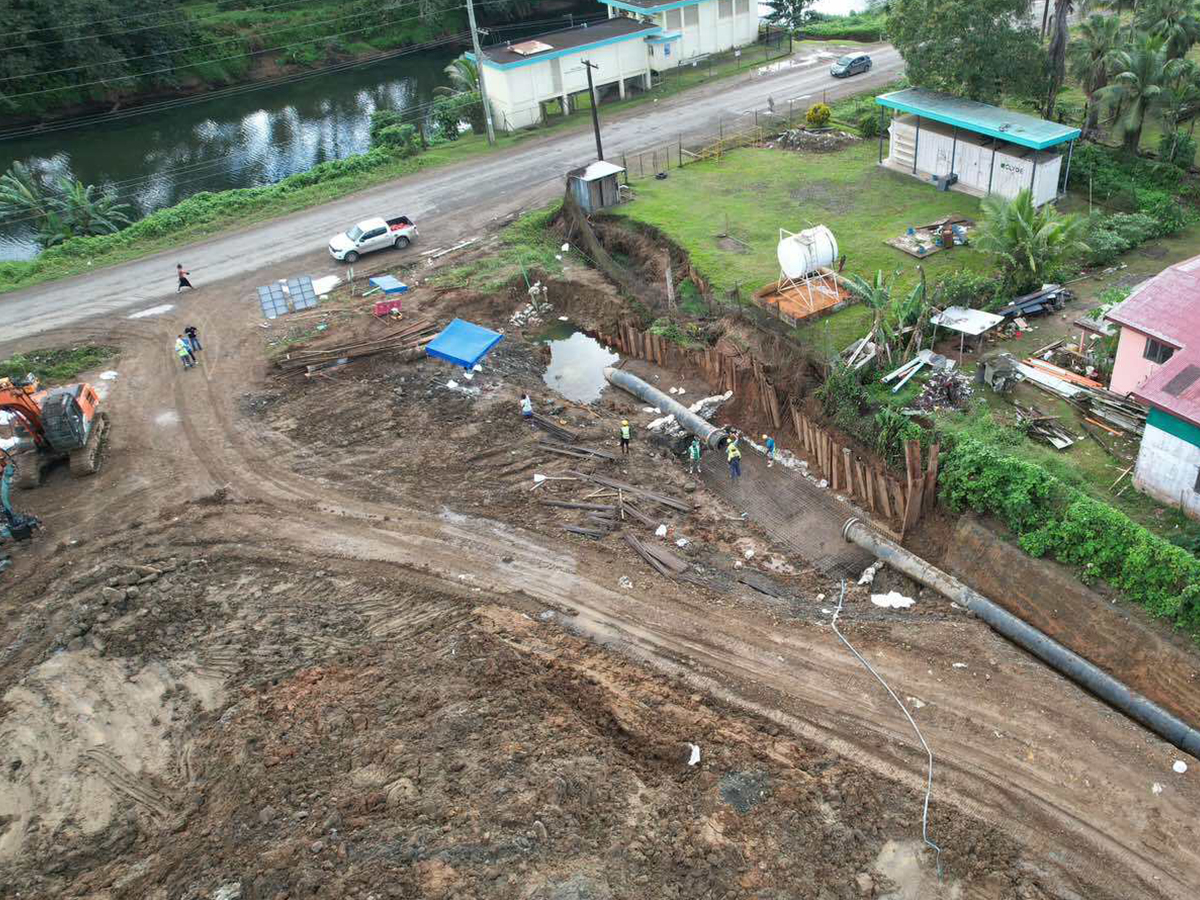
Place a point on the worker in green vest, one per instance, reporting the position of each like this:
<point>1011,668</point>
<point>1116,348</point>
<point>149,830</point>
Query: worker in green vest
<point>734,455</point>
<point>625,435</point>
<point>694,451</point>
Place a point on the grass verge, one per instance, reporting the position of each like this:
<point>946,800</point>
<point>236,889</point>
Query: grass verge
<point>526,246</point>
<point>57,364</point>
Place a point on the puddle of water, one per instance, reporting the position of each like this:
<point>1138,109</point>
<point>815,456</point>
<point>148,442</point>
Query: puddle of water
<point>577,362</point>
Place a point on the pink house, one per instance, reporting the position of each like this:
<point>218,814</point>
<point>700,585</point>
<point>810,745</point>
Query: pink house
<point>1158,362</point>
<point>1161,317</point>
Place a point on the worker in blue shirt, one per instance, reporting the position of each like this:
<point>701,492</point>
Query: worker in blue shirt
<point>769,442</point>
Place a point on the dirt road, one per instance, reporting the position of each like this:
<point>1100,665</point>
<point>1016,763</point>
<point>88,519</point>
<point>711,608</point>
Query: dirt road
<point>1040,791</point>
<point>446,202</point>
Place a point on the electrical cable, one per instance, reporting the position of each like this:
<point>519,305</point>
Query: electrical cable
<point>224,93</point>
<point>904,709</point>
<point>192,65</point>
<point>83,23</point>
<point>173,50</point>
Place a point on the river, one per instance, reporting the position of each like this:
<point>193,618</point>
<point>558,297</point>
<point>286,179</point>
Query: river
<point>256,138</point>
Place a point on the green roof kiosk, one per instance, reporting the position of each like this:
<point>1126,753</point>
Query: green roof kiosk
<point>974,147</point>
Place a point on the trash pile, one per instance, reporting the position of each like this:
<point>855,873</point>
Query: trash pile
<point>945,389</point>
<point>536,311</point>
<point>1040,427</point>
<point>803,139</point>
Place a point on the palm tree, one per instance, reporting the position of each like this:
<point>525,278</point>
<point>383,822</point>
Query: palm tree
<point>1142,76</point>
<point>1031,243</point>
<point>1088,58</point>
<point>87,210</point>
<point>23,194</point>
<point>463,73</point>
<point>1057,53</point>
<point>1173,20</point>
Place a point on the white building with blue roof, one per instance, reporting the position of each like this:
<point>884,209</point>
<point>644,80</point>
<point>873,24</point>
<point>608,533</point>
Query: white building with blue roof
<point>527,79</point>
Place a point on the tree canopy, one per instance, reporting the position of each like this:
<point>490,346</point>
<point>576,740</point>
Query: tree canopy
<point>978,49</point>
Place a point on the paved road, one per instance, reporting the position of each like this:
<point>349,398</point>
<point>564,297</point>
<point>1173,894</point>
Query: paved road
<point>440,201</point>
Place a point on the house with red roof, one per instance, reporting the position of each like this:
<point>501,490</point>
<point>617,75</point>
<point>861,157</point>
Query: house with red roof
<point>1158,363</point>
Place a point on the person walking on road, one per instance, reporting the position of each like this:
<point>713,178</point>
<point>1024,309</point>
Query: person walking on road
<point>734,455</point>
<point>625,435</point>
<point>527,409</point>
<point>193,339</point>
<point>183,278</point>
<point>694,451</point>
<point>769,443</point>
<point>184,354</point>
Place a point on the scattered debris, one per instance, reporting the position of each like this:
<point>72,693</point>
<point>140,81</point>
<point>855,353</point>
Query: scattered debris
<point>959,665</point>
<point>660,559</point>
<point>892,600</point>
<point>924,240</point>
<point>1050,298</point>
<point>823,140</point>
<point>660,531</point>
<point>1179,767</point>
<point>694,757</point>
<point>869,573</point>
<point>1043,428</point>
<point>945,389</point>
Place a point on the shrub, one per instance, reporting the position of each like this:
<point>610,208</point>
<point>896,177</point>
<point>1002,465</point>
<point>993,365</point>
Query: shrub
<point>402,140</point>
<point>1110,236</point>
<point>868,124</point>
<point>1051,518</point>
<point>818,115</point>
<point>867,27</point>
<point>1178,149</point>
<point>381,119</point>
<point>963,287</point>
<point>892,430</point>
<point>1132,184</point>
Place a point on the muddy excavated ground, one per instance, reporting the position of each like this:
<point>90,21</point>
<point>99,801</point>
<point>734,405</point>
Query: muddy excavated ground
<point>322,638</point>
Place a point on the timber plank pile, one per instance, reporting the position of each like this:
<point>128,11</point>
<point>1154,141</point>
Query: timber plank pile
<point>579,452</point>
<point>409,340</point>
<point>556,431</point>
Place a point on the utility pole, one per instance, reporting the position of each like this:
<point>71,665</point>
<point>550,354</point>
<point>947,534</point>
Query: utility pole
<point>483,97</point>
<point>595,113</point>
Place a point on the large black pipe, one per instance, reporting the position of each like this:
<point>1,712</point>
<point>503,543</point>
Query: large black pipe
<point>702,428</point>
<point>1131,703</point>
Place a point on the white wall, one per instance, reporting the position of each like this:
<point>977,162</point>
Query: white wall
<point>705,30</point>
<point>1011,172</point>
<point>1166,470</point>
<point>516,94</point>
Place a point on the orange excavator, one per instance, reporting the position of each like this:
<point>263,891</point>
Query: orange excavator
<point>61,423</point>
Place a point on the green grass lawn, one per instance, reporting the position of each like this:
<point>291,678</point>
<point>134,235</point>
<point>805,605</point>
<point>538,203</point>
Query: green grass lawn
<point>758,191</point>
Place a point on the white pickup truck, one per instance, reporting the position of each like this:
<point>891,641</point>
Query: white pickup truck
<point>370,235</point>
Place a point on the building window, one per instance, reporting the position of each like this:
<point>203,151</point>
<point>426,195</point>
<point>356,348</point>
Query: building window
<point>673,19</point>
<point>691,15</point>
<point>743,7</point>
<point>725,9</point>
<point>1156,352</point>
<point>666,49</point>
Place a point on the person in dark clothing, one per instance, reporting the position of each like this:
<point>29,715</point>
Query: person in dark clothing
<point>193,339</point>
<point>183,278</point>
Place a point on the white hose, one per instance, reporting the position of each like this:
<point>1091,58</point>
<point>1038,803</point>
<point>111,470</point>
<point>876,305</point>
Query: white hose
<point>911,721</point>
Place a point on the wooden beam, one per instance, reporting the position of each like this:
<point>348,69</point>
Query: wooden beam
<point>884,504</point>
<point>849,471</point>
<point>916,483</point>
<point>931,473</point>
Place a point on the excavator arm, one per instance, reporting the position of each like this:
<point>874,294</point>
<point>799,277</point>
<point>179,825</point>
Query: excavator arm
<point>13,525</point>
<point>18,400</point>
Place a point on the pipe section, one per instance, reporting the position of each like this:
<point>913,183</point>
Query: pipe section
<point>704,430</point>
<point>1091,678</point>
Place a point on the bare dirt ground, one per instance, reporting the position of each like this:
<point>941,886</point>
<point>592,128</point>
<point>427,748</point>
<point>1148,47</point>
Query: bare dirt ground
<point>321,639</point>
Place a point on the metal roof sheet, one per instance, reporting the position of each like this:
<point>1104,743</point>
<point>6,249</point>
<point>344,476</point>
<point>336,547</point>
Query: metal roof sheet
<point>568,40</point>
<point>981,118</point>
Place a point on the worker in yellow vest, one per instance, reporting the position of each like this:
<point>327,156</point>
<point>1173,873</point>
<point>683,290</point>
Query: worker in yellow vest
<point>734,455</point>
<point>625,435</point>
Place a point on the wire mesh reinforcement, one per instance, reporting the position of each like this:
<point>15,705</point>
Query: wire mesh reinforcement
<point>911,721</point>
<point>795,512</point>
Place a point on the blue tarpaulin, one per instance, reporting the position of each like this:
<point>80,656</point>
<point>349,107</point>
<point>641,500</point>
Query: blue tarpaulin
<point>463,343</point>
<point>389,284</point>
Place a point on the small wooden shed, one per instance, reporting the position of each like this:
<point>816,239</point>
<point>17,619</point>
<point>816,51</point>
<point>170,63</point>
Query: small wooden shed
<point>595,187</point>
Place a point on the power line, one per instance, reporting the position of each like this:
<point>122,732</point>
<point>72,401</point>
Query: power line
<point>225,93</point>
<point>74,87</point>
<point>228,40</point>
<point>86,22</point>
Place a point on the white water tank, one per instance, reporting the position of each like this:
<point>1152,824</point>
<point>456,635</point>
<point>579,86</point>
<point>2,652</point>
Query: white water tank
<point>805,252</point>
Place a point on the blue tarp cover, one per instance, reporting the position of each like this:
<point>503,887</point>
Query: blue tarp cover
<point>463,343</point>
<point>389,284</point>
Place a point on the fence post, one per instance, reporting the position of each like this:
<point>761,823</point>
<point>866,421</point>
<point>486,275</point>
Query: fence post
<point>916,484</point>
<point>931,473</point>
<point>625,166</point>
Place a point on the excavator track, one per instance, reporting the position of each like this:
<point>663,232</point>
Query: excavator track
<point>86,460</point>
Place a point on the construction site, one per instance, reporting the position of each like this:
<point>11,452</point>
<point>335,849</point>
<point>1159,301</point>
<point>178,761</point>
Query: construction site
<point>330,617</point>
